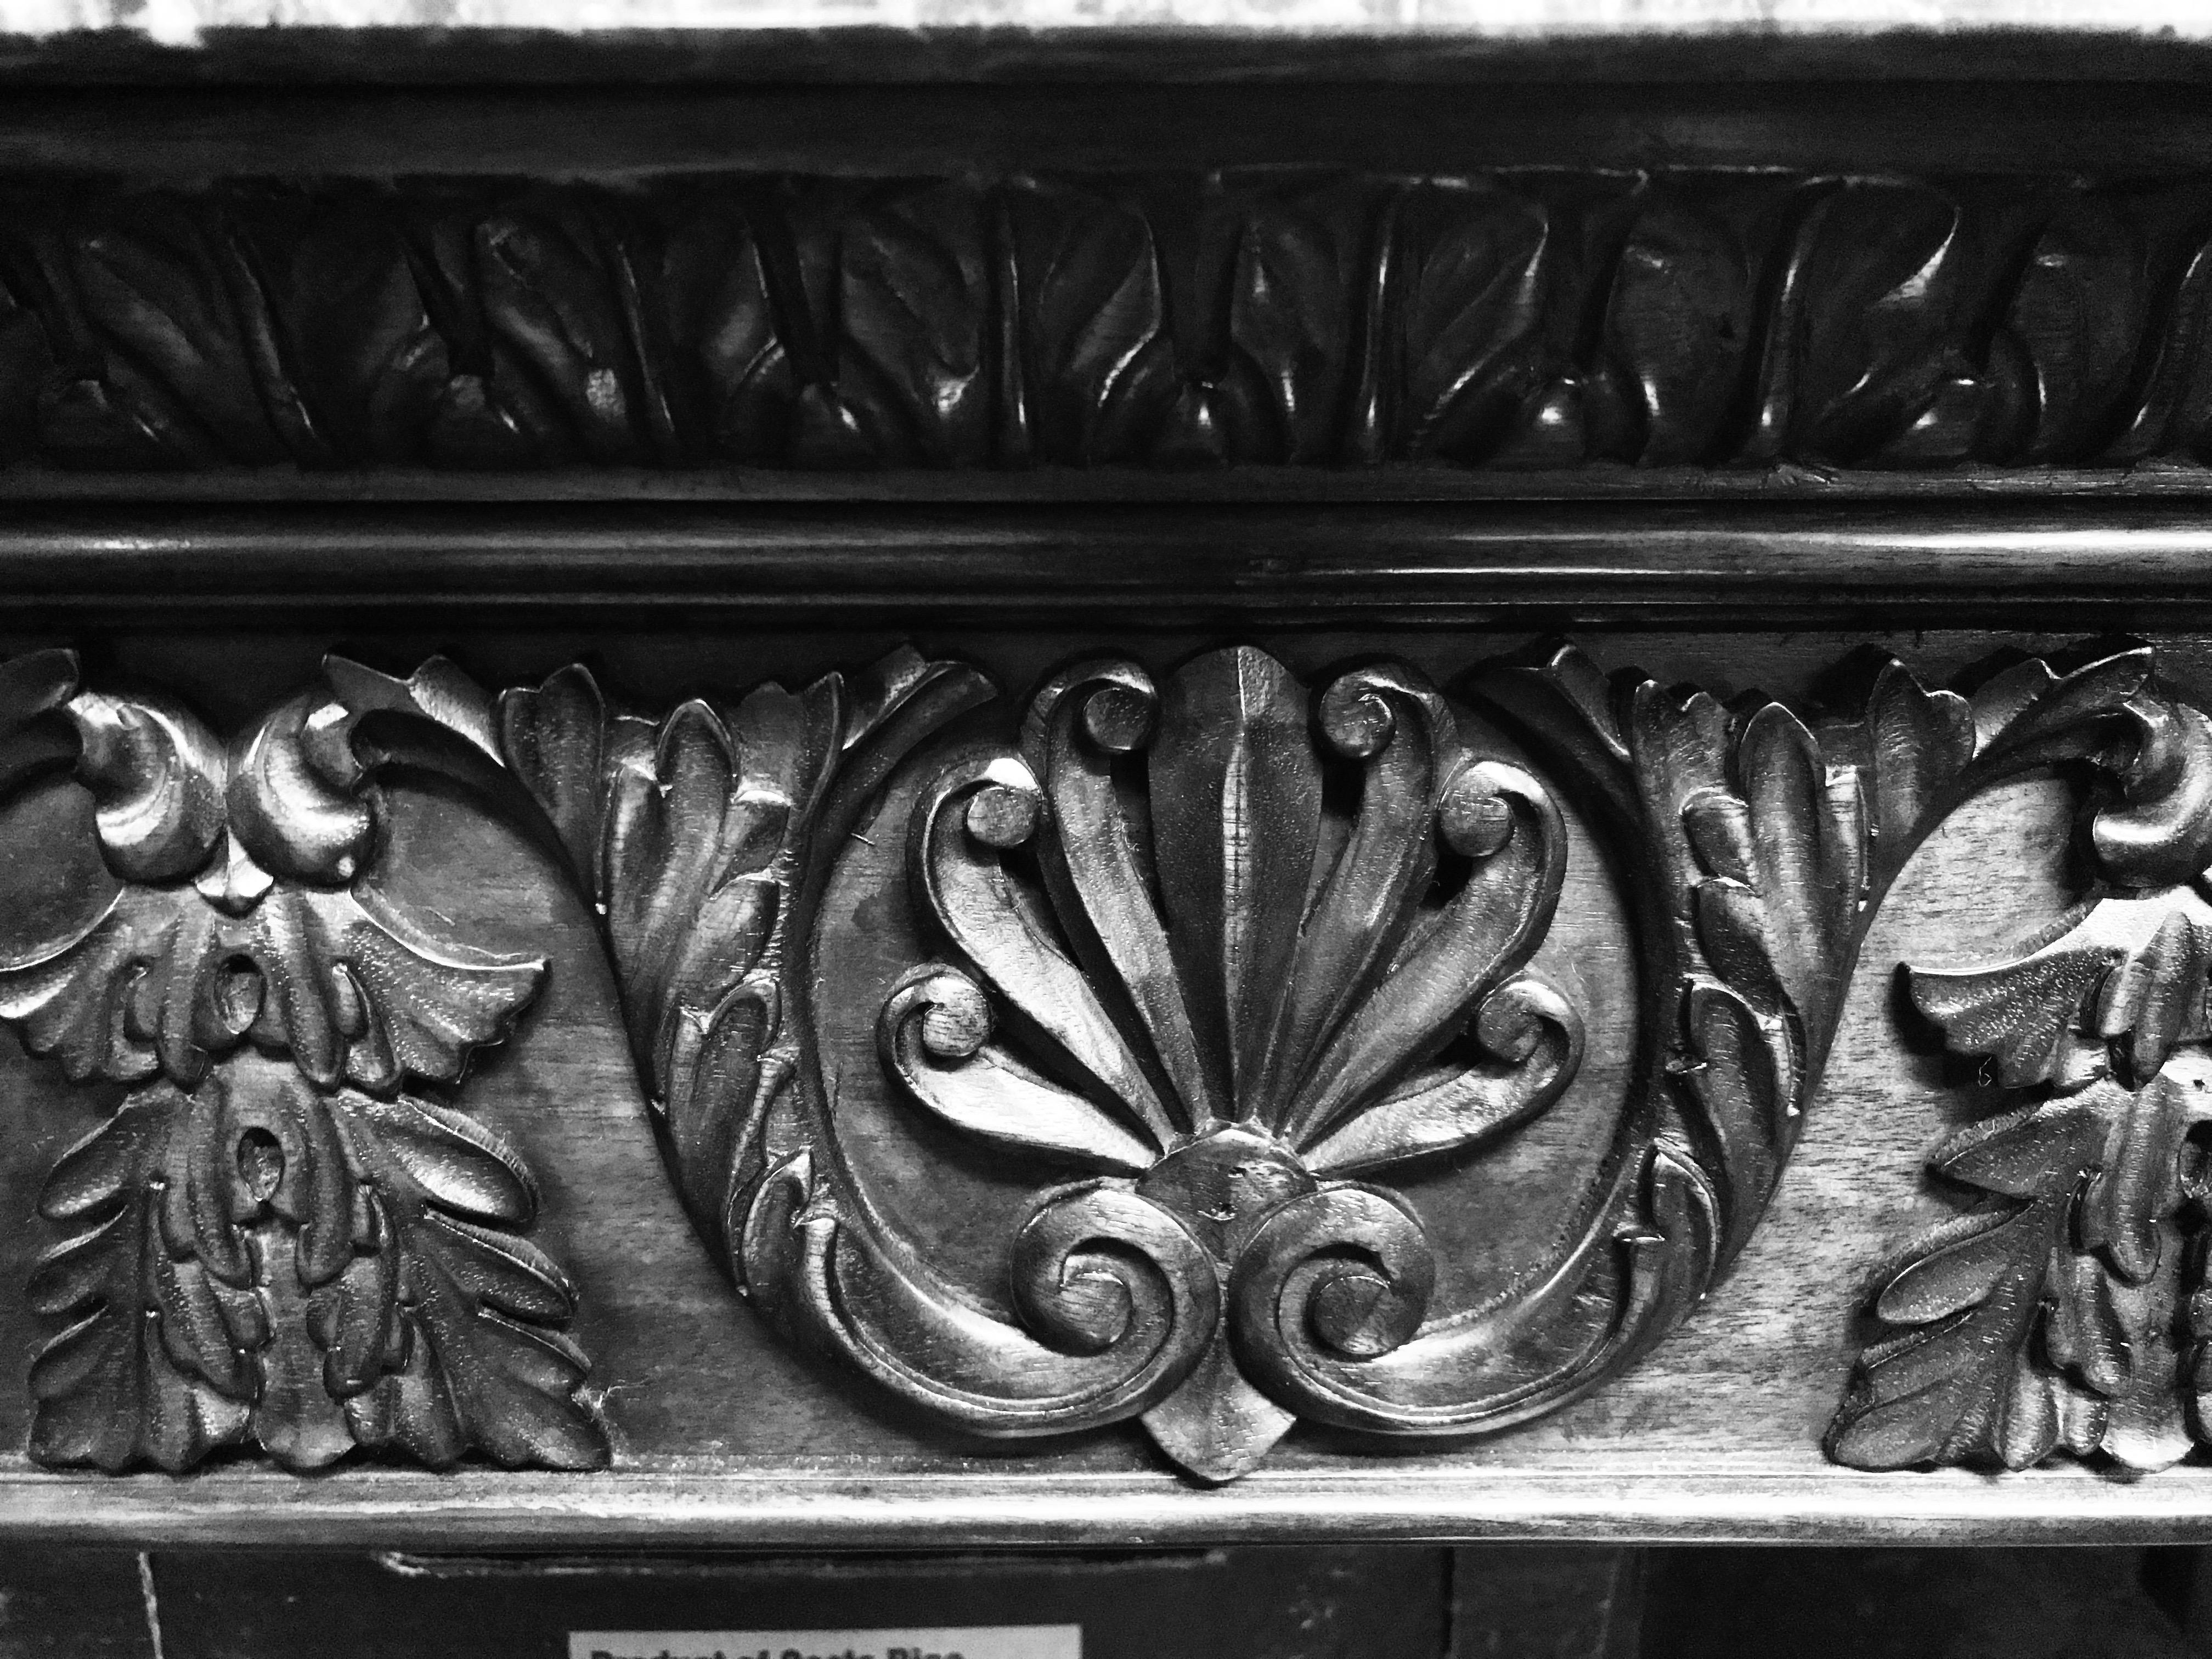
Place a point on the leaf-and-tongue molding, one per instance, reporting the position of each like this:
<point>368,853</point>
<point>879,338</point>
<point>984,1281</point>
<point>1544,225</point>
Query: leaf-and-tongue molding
<point>1217,969</point>
<point>1754,321</point>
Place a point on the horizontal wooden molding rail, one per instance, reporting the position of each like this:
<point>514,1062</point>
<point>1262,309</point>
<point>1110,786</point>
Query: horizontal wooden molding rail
<point>985,1509</point>
<point>2122,566</point>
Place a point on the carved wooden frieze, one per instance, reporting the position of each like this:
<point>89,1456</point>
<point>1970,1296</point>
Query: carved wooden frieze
<point>1551,319</point>
<point>1156,1042</point>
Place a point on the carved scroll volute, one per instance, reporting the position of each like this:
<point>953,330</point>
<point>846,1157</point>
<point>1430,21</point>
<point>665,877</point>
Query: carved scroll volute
<point>280,1236</point>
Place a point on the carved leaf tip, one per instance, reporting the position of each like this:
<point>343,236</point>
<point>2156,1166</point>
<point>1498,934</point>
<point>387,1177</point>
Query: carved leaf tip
<point>2030,704</point>
<point>2160,832</point>
<point>2134,969</point>
<point>1918,742</point>
<point>561,741</point>
<point>438,691</point>
<point>872,696</point>
<point>1566,673</point>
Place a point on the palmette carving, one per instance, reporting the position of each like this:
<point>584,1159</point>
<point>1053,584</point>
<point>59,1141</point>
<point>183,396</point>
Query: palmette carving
<point>272,1239</point>
<point>1278,1019</point>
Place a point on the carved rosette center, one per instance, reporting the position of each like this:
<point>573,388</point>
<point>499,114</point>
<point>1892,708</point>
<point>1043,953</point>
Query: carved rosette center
<point>1224,1185</point>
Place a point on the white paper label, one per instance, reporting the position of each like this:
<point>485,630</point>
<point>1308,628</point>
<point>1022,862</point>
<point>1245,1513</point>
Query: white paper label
<point>923,1642</point>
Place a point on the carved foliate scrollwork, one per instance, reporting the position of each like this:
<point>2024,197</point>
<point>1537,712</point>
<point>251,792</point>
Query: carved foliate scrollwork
<point>275,1237</point>
<point>1232,997</point>
<point>700,840</point>
<point>2067,1309</point>
<point>1229,997</point>
<point>1174,964</point>
<point>1757,850</point>
<point>1229,976</point>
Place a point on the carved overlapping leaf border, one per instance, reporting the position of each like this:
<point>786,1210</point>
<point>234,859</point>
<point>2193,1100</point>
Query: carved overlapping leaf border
<point>1216,954</point>
<point>1542,319</point>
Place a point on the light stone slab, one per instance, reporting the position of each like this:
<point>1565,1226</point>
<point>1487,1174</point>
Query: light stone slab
<point>182,21</point>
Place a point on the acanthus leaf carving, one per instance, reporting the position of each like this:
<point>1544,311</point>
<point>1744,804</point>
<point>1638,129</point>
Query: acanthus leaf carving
<point>1758,850</point>
<point>315,1270</point>
<point>164,982</point>
<point>2049,1318</point>
<point>693,835</point>
<point>2048,1322</point>
<point>273,1239</point>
